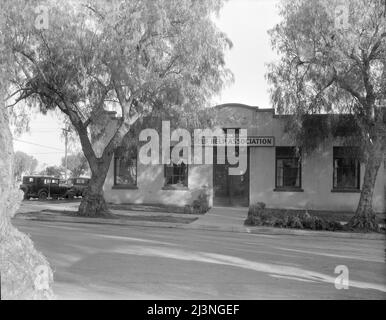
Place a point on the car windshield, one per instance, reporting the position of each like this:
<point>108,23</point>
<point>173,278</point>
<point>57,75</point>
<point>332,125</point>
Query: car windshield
<point>28,180</point>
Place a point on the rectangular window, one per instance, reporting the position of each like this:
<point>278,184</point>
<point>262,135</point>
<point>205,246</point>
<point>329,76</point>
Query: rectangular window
<point>28,180</point>
<point>51,181</point>
<point>80,181</point>
<point>125,166</point>
<point>176,174</point>
<point>288,168</point>
<point>346,168</point>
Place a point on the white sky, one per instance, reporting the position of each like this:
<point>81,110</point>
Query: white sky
<point>246,23</point>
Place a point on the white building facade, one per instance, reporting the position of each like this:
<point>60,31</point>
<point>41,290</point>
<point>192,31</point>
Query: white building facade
<point>278,172</point>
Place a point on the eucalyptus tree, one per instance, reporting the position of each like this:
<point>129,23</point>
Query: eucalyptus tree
<point>24,164</point>
<point>333,61</point>
<point>137,57</point>
<point>77,164</point>
<point>25,273</point>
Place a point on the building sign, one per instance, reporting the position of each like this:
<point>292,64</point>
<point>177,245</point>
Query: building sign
<point>251,141</point>
<point>261,141</point>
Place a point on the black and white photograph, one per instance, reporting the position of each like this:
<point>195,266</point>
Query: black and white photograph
<point>193,155</point>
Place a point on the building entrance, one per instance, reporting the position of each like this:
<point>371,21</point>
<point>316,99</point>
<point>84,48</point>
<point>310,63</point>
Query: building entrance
<point>229,190</point>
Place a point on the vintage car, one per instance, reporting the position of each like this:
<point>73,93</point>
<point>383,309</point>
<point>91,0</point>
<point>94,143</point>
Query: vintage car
<point>44,187</point>
<point>78,186</point>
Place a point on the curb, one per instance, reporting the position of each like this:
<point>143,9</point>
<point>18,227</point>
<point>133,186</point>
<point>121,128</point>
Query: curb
<point>192,226</point>
<point>289,232</point>
<point>101,221</point>
<point>327,234</point>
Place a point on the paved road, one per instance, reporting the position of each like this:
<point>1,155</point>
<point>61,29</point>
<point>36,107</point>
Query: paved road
<point>114,262</point>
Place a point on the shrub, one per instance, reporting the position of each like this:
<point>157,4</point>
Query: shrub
<point>188,209</point>
<point>257,210</point>
<point>320,224</point>
<point>201,204</point>
<point>335,226</point>
<point>279,223</point>
<point>253,221</point>
<point>294,222</point>
<point>270,222</point>
<point>308,223</point>
<point>258,215</point>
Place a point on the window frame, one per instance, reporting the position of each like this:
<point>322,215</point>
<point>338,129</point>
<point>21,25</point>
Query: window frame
<point>120,185</point>
<point>356,189</point>
<point>300,168</point>
<point>168,186</point>
<point>83,183</point>
<point>30,180</point>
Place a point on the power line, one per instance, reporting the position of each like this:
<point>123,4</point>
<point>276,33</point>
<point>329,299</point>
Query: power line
<point>51,130</point>
<point>36,144</point>
<point>40,153</point>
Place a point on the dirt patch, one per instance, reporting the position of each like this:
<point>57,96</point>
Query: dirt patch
<point>169,219</point>
<point>153,218</point>
<point>146,208</point>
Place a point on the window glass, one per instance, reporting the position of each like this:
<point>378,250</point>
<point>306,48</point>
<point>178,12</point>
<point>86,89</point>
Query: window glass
<point>176,173</point>
<point>125,164</point>
<point>28,180</point>
<point>288,167</point>
<point>346,168</point>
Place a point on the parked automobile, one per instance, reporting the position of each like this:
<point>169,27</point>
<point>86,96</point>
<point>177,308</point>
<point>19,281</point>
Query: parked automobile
<point>78,186</point>
<point>43,187</point>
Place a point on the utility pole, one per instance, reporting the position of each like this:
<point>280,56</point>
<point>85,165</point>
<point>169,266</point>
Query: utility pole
<point>66,131</point>
<point>384,11</point>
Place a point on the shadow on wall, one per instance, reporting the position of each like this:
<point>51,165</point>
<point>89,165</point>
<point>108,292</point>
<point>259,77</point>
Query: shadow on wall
<point>150,187</point>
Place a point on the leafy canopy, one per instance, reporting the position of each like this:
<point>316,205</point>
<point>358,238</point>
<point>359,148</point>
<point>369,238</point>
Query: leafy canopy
<point>136,57</point>
<point>326,67</point>
<point>102,51</point>
<point>23,164</point>
<point>77,164</point>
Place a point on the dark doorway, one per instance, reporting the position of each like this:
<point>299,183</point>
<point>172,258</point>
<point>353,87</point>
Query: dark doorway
<point>229,190</point>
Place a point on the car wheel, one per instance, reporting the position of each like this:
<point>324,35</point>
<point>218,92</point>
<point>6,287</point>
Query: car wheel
<point>43,195</point>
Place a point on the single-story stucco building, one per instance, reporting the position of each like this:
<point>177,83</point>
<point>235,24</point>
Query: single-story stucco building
<point>277,172</point>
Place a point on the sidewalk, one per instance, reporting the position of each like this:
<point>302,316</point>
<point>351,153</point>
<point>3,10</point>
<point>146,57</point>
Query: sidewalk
<point>217,219</point>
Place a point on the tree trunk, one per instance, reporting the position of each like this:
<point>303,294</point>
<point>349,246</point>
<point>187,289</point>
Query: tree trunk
<point>25,273</point>
<point>364,218</point>
<point>93,203</point>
